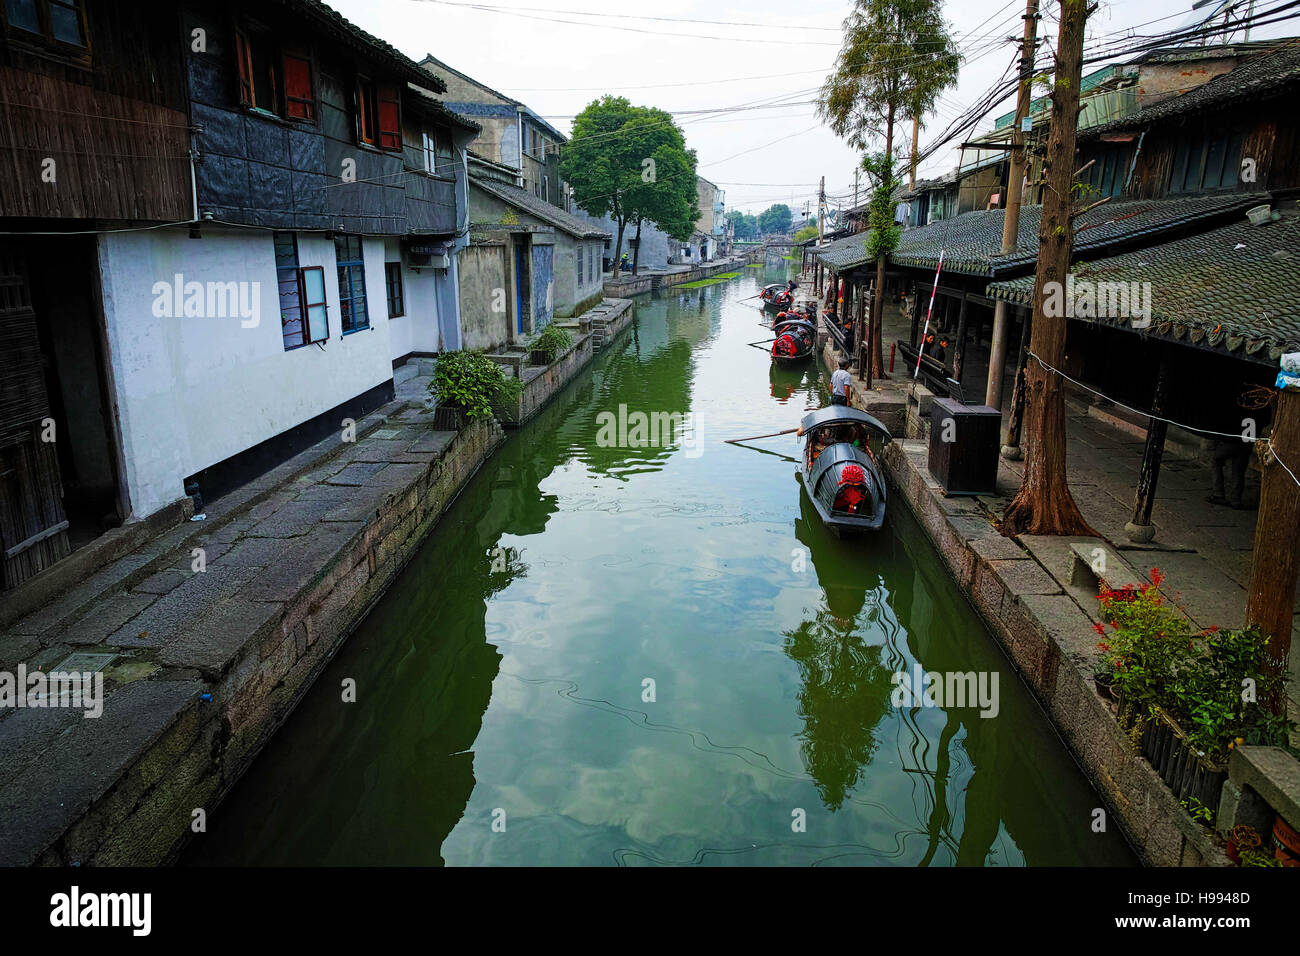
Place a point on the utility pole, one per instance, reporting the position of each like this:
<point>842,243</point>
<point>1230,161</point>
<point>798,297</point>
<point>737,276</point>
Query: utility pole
<point>821,211</point>
<point>856,172</point>
<point>916,138</point>
<point>1011,220</point>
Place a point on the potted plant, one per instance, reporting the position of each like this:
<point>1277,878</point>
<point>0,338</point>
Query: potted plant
<point>1103,678</point>
<point>549,345</point>
<point>1241,837</point>
<point>470,384</point>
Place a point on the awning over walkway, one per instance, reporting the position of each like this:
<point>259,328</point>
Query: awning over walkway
<point>1234,289</point>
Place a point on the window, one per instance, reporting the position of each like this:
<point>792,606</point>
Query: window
<point>378,115</point>
<point>352,283</point>
<point>1205,164</point>
<point>582,255</point>
<point>437,154</point>
<point>303,318</point>
<point>393,285</point>
<point>302,294</point>
<point>58,22</point>
<point>273,79</point>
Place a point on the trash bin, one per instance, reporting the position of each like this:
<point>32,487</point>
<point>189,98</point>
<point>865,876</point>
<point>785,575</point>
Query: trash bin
<point>964,445</point>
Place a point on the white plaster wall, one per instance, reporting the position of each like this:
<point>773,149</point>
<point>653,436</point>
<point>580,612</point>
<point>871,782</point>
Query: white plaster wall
<point>194,391</point>
<point>399,327</point>
<point>422,308</point>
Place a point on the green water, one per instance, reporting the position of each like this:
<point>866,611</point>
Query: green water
<point>503,677</point>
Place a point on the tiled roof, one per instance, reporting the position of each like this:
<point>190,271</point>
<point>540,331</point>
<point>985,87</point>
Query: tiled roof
<point>1258,78</point>
<point>336,22</point>
<point>1236,288</point>
<point>539,208</point>
<point>433,106</point>
<point>845,253</point>
<point>971,241</point>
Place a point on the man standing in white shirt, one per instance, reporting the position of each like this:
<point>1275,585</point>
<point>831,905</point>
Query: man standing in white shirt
<point>840,381</point>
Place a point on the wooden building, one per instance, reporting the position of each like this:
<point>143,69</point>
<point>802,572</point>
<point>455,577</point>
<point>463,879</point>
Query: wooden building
<point>225,223</point>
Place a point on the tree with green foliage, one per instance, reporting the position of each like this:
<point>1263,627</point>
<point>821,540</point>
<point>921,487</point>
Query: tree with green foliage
<point>775,219</point>
<point>746,226</point>
<point>631,163</point>
<point>896,59</point>
<point>806,233</point>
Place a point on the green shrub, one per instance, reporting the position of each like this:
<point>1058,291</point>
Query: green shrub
<point>473,382</point>
<point>553,341</point>
<point>1216,684</point>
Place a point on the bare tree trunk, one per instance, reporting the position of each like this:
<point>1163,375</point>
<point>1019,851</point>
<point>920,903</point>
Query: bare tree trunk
<point>636,252</point>
<point>618,246</point>
<point>1044,504</point>
<point>1270,602</point>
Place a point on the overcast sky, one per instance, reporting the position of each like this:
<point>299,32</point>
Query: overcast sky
<point>527,50</point>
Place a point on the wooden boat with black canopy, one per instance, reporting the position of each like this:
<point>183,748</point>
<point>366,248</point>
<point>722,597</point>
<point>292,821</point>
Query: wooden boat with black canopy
<point>839,469</point>
<point>794,342</point>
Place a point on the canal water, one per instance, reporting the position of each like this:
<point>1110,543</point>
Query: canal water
<point>657,655</point>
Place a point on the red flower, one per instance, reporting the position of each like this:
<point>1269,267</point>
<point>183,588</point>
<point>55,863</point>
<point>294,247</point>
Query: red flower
<point>1104,646</point>
<point>1156,577</point>
<point>1100,629</point>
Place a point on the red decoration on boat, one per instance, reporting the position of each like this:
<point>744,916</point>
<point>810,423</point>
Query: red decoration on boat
<point>852,475</point>
<point>784,345</point>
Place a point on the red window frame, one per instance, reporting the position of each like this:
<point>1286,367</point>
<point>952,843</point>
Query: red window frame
<point>379,115</point>
<point>299,90</point>
<point>291,82</point>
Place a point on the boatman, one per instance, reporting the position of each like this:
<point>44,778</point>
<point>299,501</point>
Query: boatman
<point>840,381</point>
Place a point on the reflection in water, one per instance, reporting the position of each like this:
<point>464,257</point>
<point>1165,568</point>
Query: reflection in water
<point>616,648</point>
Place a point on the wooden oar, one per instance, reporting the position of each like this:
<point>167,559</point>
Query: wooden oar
<point>735,441</point>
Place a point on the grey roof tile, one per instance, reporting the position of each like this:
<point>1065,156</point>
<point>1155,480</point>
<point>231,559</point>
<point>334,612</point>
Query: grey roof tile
<point>1236,288</point>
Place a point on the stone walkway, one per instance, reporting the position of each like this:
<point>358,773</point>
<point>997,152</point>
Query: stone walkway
<point>175,633</point>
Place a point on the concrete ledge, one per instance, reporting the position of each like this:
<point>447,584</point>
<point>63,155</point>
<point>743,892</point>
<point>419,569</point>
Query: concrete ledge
<point>542,385</point>
<point>1048,637</point>
<point>1261,781</point>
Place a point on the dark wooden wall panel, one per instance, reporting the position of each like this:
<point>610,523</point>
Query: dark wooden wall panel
<point>115,158</point>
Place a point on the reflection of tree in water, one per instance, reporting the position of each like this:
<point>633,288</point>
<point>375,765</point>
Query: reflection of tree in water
<point>657,383</point>
<point>845,695</point>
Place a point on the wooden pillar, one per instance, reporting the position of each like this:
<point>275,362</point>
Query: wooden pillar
<point>916,316</point>
<point>1270,601</point>
<point>862,343</point>
<point>960,358</point>
<point>1011,450</point>
<point>1140,528</point>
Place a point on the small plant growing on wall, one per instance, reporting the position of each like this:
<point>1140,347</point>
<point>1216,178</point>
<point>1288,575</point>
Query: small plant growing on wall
<point>552,343</point>
<point>472,382</point>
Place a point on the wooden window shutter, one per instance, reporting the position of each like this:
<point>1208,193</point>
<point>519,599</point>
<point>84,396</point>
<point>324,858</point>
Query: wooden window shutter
<point>244,53</point>
<point>299,102</point>
<point>390,123</point>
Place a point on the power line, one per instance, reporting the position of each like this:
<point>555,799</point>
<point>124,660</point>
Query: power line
<point>636,16</point>
<point>484,8</point>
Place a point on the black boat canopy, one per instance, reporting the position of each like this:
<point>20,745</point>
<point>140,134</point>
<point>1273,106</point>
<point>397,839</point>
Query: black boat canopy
<point>842,415</point>
<point>793,323</point>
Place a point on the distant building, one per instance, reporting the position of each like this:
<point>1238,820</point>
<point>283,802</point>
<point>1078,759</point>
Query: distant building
<point>527,262</point>
<point>511,134</point>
